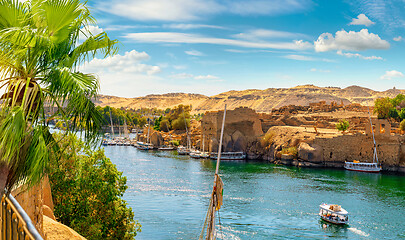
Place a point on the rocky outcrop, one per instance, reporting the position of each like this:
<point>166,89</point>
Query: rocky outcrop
<point>57,231</point>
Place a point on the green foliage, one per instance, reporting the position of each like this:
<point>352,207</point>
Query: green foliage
<point>180,123</point>
<point>343,125</point>
<point>396,101</point>
<point>382,107</point>
<point>268,139</point>
<point>393,113</point>
<point>290,151</point>
<point>402,125</point>
<point>165,125</point>
<point>401,114</point>
<point>39,54</point>
<point>157,124</point>
<point>174,143</point>
<point>87,190</point>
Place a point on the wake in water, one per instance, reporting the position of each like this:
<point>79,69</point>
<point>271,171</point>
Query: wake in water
<point>359,232</point>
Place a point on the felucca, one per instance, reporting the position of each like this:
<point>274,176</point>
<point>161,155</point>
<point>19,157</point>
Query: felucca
<point>373,167</point>
<point>216,197</point>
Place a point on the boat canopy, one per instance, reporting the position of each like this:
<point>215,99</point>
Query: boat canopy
<point>326,207</point>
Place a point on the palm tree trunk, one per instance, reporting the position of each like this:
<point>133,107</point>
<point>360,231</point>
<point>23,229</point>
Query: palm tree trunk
<point>3,177</point>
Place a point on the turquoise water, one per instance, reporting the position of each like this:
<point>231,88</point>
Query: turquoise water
<point>169,195</point>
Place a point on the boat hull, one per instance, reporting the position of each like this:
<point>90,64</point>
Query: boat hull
<point>326,219</point>
<point>368,171</point>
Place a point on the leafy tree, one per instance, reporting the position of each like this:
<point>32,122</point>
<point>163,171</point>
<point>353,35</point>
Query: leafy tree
<point>87,190</point>
<point>39,55</point>
<point>343,125</point>
<point>157,124</point>
<point>402,114</point>
<point>393,113</point>
<point>165,125</point>
<point>382,107</point>
<point>396,101</point>
<point>402,125</point>
<point>180,123</point>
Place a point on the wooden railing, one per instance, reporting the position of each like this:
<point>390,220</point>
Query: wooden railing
<point>14,221</point>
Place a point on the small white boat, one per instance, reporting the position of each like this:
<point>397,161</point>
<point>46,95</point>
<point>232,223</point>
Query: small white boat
<point>204,155</point>
<point>183,150</point>
<point>195,154</point>
<point>333,213</point>
<point>229,156</point>
<point>146,146</point>
<point>166,148</point>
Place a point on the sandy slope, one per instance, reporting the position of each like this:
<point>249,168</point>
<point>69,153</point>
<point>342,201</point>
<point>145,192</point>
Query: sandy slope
<point>260,100</point>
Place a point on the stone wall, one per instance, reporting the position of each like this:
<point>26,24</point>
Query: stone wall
<point>242,125</point>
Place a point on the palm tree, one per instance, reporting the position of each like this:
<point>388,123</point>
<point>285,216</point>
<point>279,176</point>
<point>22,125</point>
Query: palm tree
<point>40,51</point>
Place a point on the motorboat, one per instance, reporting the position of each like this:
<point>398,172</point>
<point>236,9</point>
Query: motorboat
<point>229,155</point>
<point>333,213</point>
<point>363,166</point>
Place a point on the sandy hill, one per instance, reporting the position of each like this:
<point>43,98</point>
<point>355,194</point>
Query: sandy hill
<point>260,100</point>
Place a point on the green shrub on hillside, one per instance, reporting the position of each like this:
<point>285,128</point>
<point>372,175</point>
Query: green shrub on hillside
<point>382,107</point>
<point>268,139</point>
<point>343,125</point>
<point>290,150</point>
<point>87,190</point>
<point>402,125</point>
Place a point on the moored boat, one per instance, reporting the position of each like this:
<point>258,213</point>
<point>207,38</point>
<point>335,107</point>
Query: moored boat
<point>195,154</point>
<point>229,156</point>
<point>183,150</point>
<point>333,213</point>
<point>166,148</point>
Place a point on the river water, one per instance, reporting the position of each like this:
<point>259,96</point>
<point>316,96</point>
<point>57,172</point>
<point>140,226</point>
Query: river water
<point>169,195</point>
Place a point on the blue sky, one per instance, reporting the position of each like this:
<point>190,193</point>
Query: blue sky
<point>212,46</point>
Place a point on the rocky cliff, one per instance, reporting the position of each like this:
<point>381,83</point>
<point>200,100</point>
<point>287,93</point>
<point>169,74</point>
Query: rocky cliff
<point>259,100</point>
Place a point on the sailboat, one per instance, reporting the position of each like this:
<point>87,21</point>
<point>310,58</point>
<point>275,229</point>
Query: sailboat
<point>147,145</point>
<point>373,167</point>
<point>181,150</point>
<point>204,154</point>
<point>216,200</point>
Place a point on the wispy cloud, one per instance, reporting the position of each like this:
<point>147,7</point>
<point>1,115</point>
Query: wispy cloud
<point>256,34</point>
<point>392,74</point>
<point>187,26</point>
<point>361,20</point>
<point>397,39</point>
<point>208,78</point>
<point>194,53</point>
<point>353,41</point>
<point>186,10</point>
<point>319,70</point>
<point>299,57</point>
<point>175,37</point>
<point>357,55</point>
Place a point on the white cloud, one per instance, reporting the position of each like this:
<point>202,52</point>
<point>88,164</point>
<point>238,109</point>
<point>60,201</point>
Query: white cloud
<point>129,62</point>
<point>319,70</point>
<point>354,41</point>
<point>391,74</point>
<point>267,33</point>
<point>179,67</point>
<point>89,30</point>
<point>181,76</point>
<point>361,20</point>
<point>397,39</point>
<point>206,77</point>
<point>176,37</point>
<point>184,26</point>
<point>350,55</point>
<point>161,10</point>
<point>185,10</point>
<point>194,53</point>
<point>299,57</point>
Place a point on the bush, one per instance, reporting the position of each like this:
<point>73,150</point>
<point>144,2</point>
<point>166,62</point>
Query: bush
<point>402,125</point>
<point>87,190</point>
<point>290,151</point>
<point>267,140</point>
<point>180,124</point>
<point>174,143</point>
<point>382,107</point>
<point>165,125</point>
<point>343,125</point>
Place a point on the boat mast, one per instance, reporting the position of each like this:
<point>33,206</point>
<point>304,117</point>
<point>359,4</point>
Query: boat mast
<point>112,126</point>
<point>216,196</point>
<point>119,126</point>
<point>188,137</point>
<point>375,157</point>
<point>203,144</point>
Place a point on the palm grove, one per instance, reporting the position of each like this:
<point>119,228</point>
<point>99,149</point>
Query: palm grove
<point>40,52</point>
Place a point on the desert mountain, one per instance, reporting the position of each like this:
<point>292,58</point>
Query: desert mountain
<point>260,100</point>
